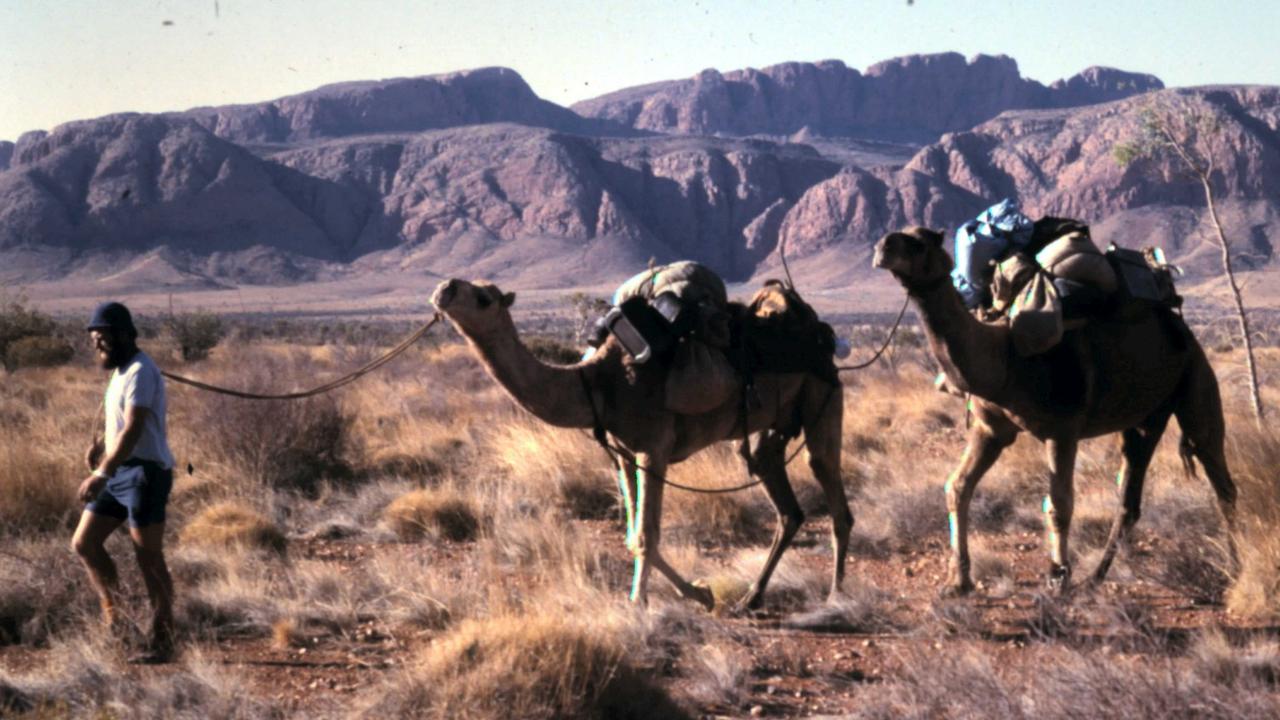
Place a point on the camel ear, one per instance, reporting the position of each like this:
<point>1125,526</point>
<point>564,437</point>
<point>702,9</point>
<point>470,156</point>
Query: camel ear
<point>927,235</point>
<point>508,299</point>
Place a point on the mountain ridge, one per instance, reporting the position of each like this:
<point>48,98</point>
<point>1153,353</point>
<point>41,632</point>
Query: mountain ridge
<point>470,173</point>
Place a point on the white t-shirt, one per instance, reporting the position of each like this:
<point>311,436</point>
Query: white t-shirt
<point>138,384</point>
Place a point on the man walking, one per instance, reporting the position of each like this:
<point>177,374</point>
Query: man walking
<point>132,473</point>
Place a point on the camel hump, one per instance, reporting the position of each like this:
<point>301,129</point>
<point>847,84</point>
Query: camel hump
<point>690,281</point>
<point>783,333</point>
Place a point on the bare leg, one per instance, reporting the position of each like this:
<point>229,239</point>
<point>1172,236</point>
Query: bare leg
<point>1137,446</point>
<point>1058,506</point>
<point>649,534</point>
<point>148,545</point>
<point>90,535</point>
<point>983,449</point>
<point>769,462</point>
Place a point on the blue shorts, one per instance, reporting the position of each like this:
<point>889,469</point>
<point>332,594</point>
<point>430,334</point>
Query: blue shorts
<point>139,492</point>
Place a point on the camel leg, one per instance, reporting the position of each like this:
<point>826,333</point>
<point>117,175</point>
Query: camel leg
<point>649,489</point>
<point>1200,417</point>
<point>1138,444</point>
<point>823,438</point>
<point>769,463</point>
<point>986,442</point>
<point>1058,506</point>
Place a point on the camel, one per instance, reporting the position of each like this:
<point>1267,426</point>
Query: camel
<point>1109,376</point>
<point>626,400</point>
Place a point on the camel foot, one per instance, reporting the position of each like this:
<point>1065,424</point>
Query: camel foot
<point>956,589</point>
<point>1059,580</point>
<point>702,595</point>
<point>700,592</point>
<point>1096,578</point>
<point>752,601</point>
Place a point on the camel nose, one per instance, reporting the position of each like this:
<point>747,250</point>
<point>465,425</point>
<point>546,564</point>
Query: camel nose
<point>444,294</point>
<point>879,260</point>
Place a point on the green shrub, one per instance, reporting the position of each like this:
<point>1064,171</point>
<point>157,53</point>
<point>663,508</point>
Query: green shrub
<point>550,350</point>
<point>17,321</point>
<point>38,351</point>
<point>196,334</point>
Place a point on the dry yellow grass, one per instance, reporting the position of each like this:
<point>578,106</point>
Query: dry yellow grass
<point>1255,464</point>
<point>548,463</point>
<point>440,512</point>
<point>527,666</point>
<point>540,628</point>
<point>233,524</point>
<point>37,493</point>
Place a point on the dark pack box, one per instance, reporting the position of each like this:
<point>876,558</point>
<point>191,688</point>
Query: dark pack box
<point>1137,277</point>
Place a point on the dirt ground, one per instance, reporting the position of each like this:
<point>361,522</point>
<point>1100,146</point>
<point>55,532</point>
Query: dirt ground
<point>794,672</point>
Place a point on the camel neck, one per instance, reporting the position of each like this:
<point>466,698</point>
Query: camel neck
<point>974,355</point>
<point>552,393</point>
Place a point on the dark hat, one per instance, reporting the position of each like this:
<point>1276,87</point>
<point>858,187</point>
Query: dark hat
<point>112,316</point>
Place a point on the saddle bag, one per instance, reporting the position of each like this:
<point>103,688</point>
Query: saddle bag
<point>1145,280</point>
<point>1035,320</point>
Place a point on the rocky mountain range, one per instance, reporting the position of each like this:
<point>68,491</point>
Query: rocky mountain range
<point>472,174</point>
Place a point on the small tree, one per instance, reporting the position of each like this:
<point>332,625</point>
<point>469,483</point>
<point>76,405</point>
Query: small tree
<point>587,309</point>
<point>29,337</point>
<point>196,333</point>
<point>1180,129</point>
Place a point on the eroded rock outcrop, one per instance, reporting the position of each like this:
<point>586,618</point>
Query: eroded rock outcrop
<point>1061,162</point>
<point>913,98</point>
<point>131,183</point>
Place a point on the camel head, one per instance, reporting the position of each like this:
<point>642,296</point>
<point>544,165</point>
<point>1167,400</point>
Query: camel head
<point>473,307</point>
<point>914,255</point>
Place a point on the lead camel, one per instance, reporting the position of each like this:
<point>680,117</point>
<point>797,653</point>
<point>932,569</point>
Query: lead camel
<point>627,401</point>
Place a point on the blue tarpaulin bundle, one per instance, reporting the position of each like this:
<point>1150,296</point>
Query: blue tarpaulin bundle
<point>999,230</point>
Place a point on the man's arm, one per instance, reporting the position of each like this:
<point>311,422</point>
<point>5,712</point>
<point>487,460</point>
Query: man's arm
<point>135,417</point>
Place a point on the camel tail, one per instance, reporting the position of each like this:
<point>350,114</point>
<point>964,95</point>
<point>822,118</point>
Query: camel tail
<point>1186,453</point>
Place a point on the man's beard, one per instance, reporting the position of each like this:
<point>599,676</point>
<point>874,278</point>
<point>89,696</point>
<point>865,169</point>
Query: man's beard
<point>116,357</point>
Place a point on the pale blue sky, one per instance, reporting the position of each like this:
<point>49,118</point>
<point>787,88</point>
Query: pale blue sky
<point>63,60</point>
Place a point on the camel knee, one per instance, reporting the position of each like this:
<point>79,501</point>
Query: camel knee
<point>791,519</point>
<point>957,491</point>
<point>842,519</point>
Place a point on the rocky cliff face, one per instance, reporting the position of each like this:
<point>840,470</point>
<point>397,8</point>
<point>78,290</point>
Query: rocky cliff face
<point>472,97</point>
<point>134,182</point>
<point>451,197</point>
<point>1060,162</point>
<point>914,98</point>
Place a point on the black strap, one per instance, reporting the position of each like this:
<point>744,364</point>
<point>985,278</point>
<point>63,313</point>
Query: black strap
<point>597,426</point>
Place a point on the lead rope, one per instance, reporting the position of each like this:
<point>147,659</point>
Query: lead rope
<point>327,387</point>
<point>892,332</point>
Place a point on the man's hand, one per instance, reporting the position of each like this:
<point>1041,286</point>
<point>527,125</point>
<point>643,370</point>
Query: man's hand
<point>90,488</point>
<point>93,455</point>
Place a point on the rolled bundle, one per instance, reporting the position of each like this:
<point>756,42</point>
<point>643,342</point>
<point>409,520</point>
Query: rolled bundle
<point>1075,257</point>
